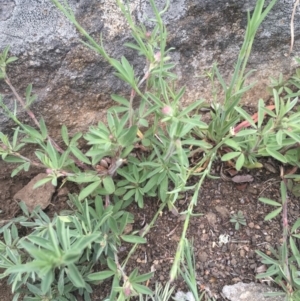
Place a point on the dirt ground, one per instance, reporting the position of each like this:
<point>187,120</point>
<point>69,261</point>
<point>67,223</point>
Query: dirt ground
<point>216,265</point>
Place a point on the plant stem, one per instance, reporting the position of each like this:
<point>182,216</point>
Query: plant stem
<point>189,213</point>
<point>285,226</point>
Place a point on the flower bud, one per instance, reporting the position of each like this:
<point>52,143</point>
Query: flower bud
<point>167,110</point>
<point>49,171</point>
<point>157,56</point>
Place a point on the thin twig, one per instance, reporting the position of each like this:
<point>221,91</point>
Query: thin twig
<point>292,25</point>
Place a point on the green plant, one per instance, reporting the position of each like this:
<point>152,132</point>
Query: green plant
<point>124,164</point>
<point>160,293</point>
<point>238,219</point>
<point>285,261</point>
<point>188,273</point>
<point>59,255</point>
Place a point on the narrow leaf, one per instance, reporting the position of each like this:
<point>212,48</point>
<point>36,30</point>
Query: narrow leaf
<point>134,239</point>
<point>88,190</point>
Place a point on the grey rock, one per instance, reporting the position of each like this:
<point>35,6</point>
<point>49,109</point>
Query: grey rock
<point>249,292</point>
<point>40,196</point>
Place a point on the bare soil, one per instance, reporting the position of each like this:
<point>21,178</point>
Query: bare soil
<point>216,265</point>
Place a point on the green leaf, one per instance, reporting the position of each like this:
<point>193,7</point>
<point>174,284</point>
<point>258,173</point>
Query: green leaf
<point>75,276</point>
<point>194,122</point>
<point>112,265</point>
<point>270,202</point>
<point>17,170</point>
<point>128,138</point>
<point>293,135</point>
<point>61,282</point>
<point>128,68</point>
<point>272,214</point>
<point>134,239</point>
<point>142,289</point>
<point>32,132</point>
<point>34,289</point>
<point>261,114</point>
<point>109,184</point>
<point>279,137</point>
<point>42,182</point>
<point>43,128</point>
<point>121,100</point>
<point>269,112</point>
<point>79,155</point>
<point>295,226</point>
<point>47,280</point>
<point>195,142</point>
<point>150,184</point>
<point>13,159</point>
<point>11,59</point>
<point>230,156</point>
<point>88,190</point>
<point>246,132</point>
<point>266,259</point>
<point>142,278</point>
<point>244,114</point>
<point>295,250</point>
<point>65,135</point>
<point>276,101</point>
<point>276,155</point>
<point>99,276</point>
<point>191,107</point>
<point>15,137</point>
<point>240,162</point>
<point>75,138</point>
<point>233,144</point>
<point>52,153</point>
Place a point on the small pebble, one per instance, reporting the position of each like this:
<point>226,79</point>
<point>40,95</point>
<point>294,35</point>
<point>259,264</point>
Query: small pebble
<point>268,238</point>
<point>251,225</point>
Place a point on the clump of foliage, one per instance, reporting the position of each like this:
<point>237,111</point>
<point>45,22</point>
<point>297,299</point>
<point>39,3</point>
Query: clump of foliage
<point>130,159</point>
<point>283,266</point>
<point>238,219</point>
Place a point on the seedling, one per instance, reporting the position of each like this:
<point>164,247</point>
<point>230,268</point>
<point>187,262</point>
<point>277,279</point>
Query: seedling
<point>238,219</point>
